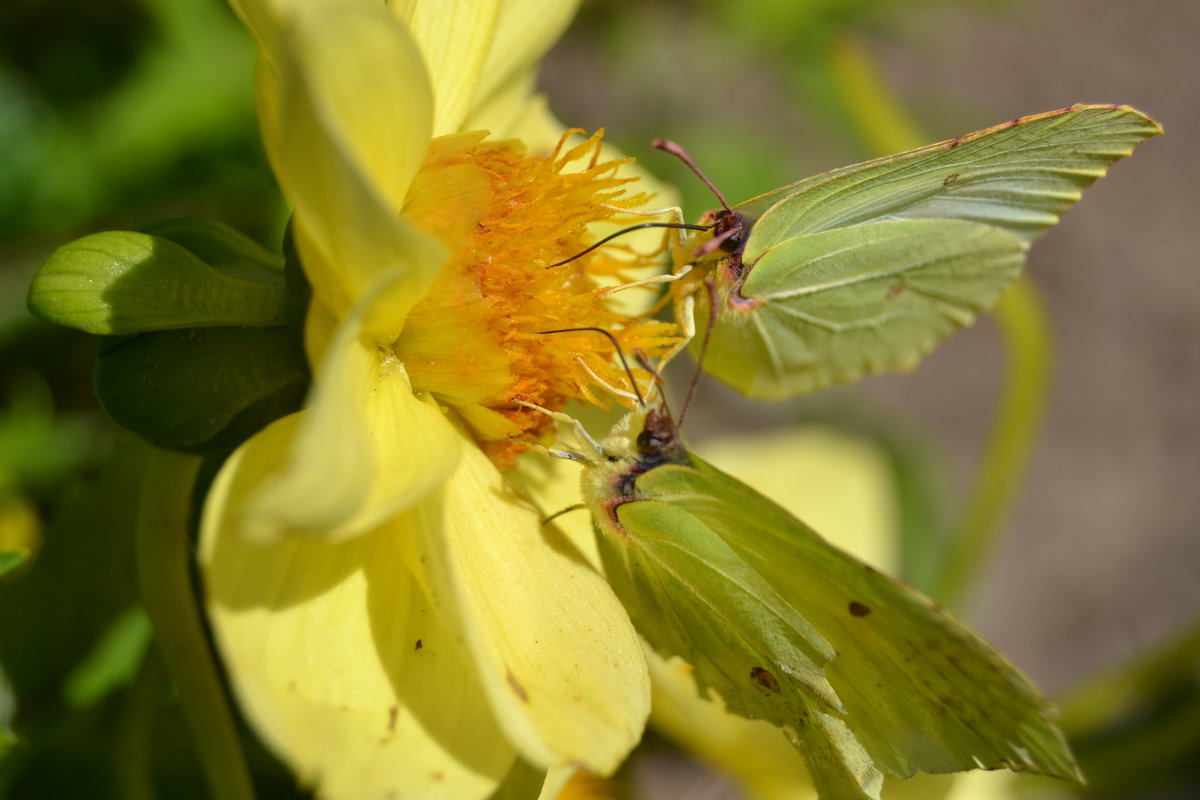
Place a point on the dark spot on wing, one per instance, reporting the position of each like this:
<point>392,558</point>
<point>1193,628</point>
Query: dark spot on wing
<point>418,645</point>
<point>858,609</point>
<point>517,688</point>
<point>393,712</point>
<point>764,680</point>
<point>949,179</point>
<point>1014,122</point>
<point>893,290</point>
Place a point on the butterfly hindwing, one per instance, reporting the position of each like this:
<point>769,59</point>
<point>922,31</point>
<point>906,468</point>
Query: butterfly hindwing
<point>921,691</point>
<point>830,307</point>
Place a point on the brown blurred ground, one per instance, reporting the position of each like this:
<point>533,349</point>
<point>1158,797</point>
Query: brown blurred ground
<point>1103,553</point>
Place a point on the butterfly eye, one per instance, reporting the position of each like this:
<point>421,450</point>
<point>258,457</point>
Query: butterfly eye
<point>648,443</point>
<point>732,226</point>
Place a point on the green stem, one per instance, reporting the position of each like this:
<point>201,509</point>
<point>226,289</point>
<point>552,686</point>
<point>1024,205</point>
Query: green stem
<point>135,780</point>
<point>1025,331</point>
<point>883,126</point>
<point>164,575</point>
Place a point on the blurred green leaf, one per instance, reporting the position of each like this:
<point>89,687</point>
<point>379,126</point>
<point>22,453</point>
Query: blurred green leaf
<point>11,559</point>
<point>1136,730</point>
<point>8,708</point>
<point>125,282</point>
<point>113,662</point>
<point>37,448</point>
<point>187,90</point>
<point>200,390</point>
<point>51,613</point>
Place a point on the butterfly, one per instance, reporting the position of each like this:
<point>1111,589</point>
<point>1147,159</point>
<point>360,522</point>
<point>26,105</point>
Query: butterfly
<point>865,268</point>
<point>864,674</point>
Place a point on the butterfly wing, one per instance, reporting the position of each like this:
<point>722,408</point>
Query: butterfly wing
<point>1019,177</point>
<point>831,285</point>
<point>832,306</point>
<point>920,690</point>
<point>690,595</point>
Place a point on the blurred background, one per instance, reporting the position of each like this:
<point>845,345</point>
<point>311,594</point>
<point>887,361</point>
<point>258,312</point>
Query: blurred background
<point>1102,553</point>
<point>118,112</point>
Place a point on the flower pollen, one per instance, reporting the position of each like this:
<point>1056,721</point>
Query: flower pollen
<point>500,297</point>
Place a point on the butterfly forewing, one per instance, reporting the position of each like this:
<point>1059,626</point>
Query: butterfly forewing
<point>827,289</point>
<point>1019,176</point>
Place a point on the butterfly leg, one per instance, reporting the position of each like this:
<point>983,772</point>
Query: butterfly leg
<point>581,432</point>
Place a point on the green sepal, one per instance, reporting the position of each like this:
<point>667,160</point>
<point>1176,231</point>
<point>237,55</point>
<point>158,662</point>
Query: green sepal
<point>182,274</point>
<point>200,390</point>
<point>219,246</point>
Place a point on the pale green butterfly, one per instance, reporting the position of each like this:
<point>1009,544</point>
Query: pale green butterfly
<point>866,676</point>
<point>865,268</point>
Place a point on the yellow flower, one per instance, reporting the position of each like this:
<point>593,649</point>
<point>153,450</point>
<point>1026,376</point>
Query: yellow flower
<point>395,620</point>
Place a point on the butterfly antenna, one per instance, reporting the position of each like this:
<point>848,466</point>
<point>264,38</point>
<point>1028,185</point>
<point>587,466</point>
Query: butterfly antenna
<point>712,322</point>
<point>667,146</point>
<point>620,354</point>
<point>631,229</point>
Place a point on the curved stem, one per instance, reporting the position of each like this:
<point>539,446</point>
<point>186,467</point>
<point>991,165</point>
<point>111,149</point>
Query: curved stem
<point>164,576</point>
<point>1025,330</point>
<point>134,776</point>
<point>883,126</point>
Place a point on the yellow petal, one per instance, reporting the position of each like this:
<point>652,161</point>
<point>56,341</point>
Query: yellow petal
<point>524,32</point>
<point>455,37</point>
<point>553,483</point>
<point>753,751</point>
<point>516,112</point>
<point>556,652</point>
<point>262,18</point>
<point>839,484</point>
<point>366,449</point>
<point>336,658</point>
<point>348,127</point>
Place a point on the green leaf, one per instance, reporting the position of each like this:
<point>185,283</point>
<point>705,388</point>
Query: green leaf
<point>122,282</point>
<point>1136,728</point>
<point>51,614</point>
<point>201,390</point>
<point>683,544</point>
<point>819,279</point>
<point>113,662</point>
<point>10,560</point>
<point>830,307</point>
<point>8,710</point>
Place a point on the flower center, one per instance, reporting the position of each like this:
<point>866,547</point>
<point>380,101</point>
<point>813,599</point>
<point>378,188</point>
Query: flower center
<point>479,340</point>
